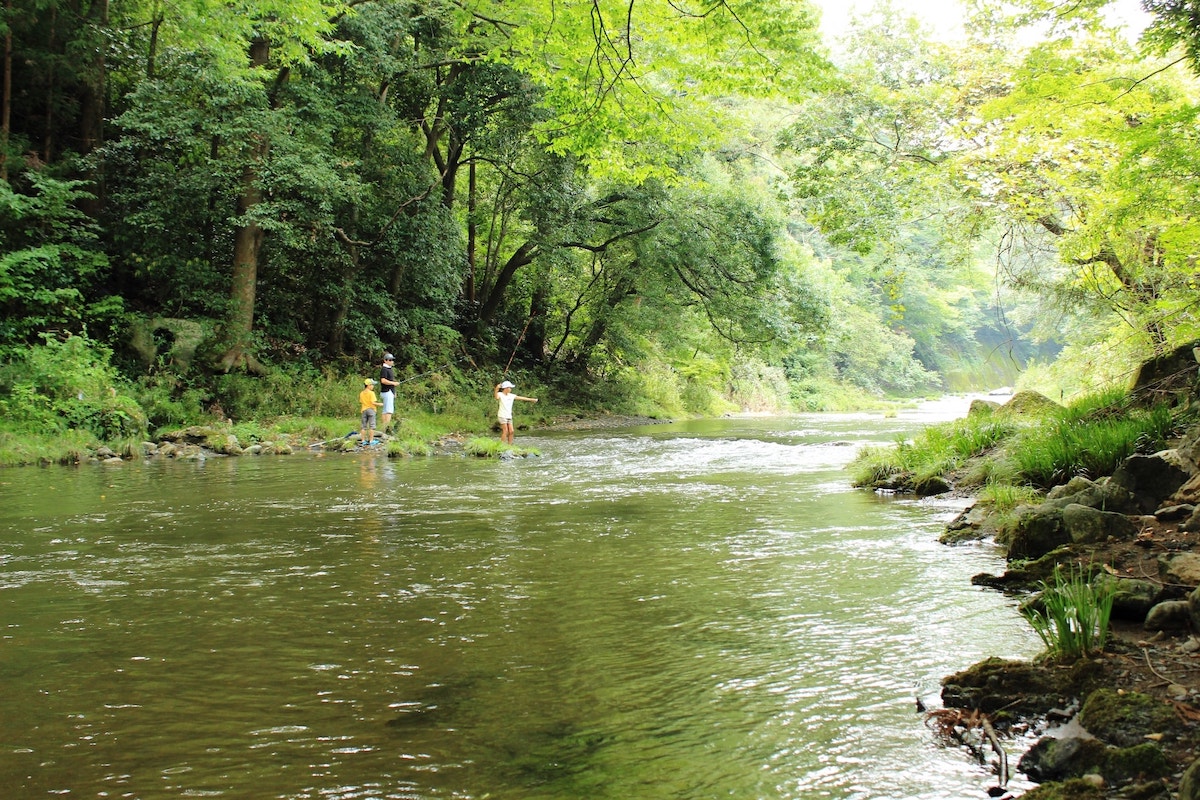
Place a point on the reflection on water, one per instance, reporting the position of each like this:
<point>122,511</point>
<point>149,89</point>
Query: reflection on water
<point>679,611</point>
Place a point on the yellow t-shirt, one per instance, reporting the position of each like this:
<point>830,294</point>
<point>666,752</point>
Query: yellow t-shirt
<point>367,399</point>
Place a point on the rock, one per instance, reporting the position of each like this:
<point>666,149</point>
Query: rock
<point>1072,487</point>
<point>1053,759</point>
<point>1123,719</point>
<point>933,485</point>
<point>1171,615</point>
<point>253,450</point>
<point>996,683</point>
<point>1174,512</point>
<point>1189,786</point>
<point>1037,531</point>
<point>1132,598</point>
<point>1029,403</point>
<point>1193,600</point>
<point>1151,479</point>
<point>1180,568</point>
<point>980,407</point>
<point>1189,492</point>
<point>971,524</point>
<point>1086,525</point>
<point>168,450</point>
<point>1167,374</point>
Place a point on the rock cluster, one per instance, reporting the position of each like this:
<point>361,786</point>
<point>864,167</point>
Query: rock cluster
<point>1130,726</point>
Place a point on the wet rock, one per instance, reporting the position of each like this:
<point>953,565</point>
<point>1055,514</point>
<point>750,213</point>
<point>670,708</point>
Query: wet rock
<point>1054,759</point>
<point>168,450</point>
<point>933,485</point>
<point>996,683</point>
<point>1071,789</point>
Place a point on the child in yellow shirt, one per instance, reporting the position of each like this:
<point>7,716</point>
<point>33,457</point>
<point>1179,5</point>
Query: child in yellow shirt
<point>367,401</point>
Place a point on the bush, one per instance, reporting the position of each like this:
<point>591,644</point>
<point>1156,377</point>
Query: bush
<point>68,385</point>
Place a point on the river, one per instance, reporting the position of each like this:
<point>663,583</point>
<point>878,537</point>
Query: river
<point>693,610</point>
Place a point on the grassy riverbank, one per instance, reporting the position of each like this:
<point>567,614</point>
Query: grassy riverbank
<point>64,401</point>
<point>1009,455</point>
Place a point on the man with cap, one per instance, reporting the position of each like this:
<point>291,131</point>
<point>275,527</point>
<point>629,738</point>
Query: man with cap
<point>387,390</point>
<point>366,403</point>
<point>506,397</point>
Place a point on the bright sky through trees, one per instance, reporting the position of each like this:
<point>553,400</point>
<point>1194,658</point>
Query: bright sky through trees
<point>944,17</point>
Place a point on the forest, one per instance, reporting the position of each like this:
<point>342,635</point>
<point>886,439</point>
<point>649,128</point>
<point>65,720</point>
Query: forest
<point>214,210</point>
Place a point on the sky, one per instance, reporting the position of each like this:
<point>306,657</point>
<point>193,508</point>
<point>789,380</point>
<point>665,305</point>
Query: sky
<point>943,17</point>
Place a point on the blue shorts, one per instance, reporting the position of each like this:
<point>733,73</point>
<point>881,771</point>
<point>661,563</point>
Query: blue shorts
<point>389,401</point>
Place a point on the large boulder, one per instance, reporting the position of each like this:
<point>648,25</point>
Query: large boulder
<point>1169,374</point>
<point>1086,525</point>
<point>1026,403</point>
<point>1151,478</point>
<point>996,684</point>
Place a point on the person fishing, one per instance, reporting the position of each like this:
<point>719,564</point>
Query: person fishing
<point>387,390</point>
<point>367,402</point>
<point>505,413</point>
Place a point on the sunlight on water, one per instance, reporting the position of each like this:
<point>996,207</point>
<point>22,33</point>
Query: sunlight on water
<point>679,611</point>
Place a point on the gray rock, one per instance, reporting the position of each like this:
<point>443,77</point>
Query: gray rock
<point>1180,568</point>
<point>1086,525</point>
<point>1172,615</point>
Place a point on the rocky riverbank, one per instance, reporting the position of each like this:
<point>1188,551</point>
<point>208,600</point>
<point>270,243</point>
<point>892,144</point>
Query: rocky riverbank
<point>1122,723</point>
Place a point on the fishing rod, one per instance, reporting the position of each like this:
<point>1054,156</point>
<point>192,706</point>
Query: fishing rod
<point>518,344</point>
<point>435,369</point>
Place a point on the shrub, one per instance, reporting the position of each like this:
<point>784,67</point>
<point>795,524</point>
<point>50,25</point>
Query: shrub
<point>68,385</point>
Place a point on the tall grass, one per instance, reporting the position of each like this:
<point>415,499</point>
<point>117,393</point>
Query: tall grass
<point>1072,616</point>
<point>1091,444</point>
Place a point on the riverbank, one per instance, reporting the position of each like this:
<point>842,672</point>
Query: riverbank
<point>1121,721</point>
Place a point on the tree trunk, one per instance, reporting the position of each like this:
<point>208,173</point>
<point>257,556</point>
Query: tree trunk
<point>247,241</point>
<point>472,232</point>
<point>523,256</point>
<point>6,102</point>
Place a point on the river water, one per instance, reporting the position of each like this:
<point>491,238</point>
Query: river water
<point>693,610</point>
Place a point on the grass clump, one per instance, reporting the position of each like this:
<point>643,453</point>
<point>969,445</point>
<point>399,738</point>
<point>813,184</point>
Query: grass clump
<point>1071,617</point>
<point>493,448</point>
<point>937,450</point>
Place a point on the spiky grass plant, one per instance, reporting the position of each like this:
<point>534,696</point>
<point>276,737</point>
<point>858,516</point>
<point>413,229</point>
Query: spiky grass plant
<point>1072,616</point>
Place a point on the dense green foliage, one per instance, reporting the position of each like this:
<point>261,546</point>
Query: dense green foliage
<point>660,208</point>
